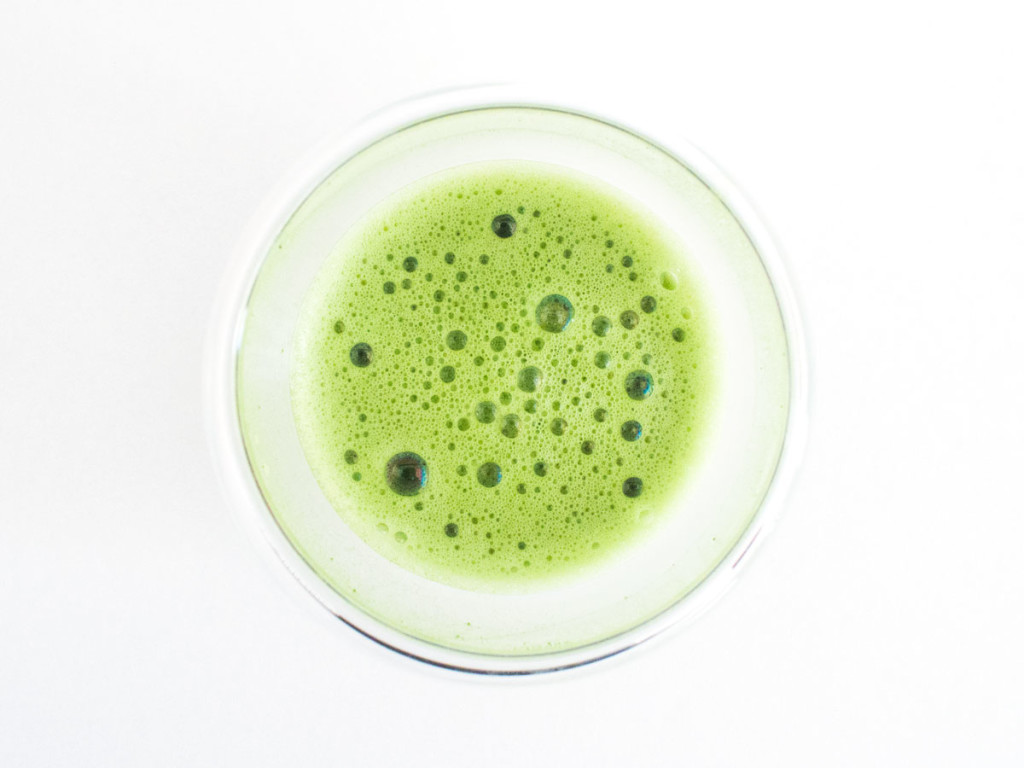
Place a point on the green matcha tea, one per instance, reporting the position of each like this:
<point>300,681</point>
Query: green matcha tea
<point>502,374</point>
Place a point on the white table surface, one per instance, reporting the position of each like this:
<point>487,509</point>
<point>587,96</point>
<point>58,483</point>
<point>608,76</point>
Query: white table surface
<point>881,623</point>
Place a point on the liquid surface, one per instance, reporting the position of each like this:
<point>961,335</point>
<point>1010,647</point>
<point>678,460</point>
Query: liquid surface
<point>502,374</point>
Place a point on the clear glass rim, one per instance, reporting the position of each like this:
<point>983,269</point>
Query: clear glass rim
<point>251,509</point>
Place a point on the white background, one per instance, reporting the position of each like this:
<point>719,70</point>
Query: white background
<point>880,623</point>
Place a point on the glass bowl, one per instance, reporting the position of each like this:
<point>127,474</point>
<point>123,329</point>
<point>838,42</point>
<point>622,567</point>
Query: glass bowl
<point>730,498</point>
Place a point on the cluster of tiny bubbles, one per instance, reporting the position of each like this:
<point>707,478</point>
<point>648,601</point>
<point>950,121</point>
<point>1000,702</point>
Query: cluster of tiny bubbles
<point>406,473</point>
<point>524,385</point>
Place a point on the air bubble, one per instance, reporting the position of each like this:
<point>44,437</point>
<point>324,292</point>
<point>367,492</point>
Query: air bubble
<point>669,281</point>
<point>632,487</point>
<point>587,447</point>
<point>351,457</point>
<point>410,263</point>
<point>540,469</point>
<point>451,530</point>
<point>361,355</point>
<point>554,313</point>
<point>489,474</point>
<point>406,473</point>
<point>530,379</point>
<point>601,325</point>
<point>678,334</point>
<point>447,374</point>
<point>456,340</point>
<point>648,304</point>
<point>602,359</point>
<point>486,412</point>
<point>629,319</point>
<point>631,431</point>
<point>600,414</point>
<point>503,226</point>
<point>639,385</point>
<point>558,427</point>
<point>510,426</point>
<point>498,343</point>
<point>338,326</point>
<point>389,287</point>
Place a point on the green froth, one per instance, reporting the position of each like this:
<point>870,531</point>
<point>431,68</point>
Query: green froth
<point>470,404</point>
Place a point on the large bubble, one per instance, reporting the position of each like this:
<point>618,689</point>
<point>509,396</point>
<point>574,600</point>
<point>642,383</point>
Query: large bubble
<point>406,473</point>
<point>554,313</point>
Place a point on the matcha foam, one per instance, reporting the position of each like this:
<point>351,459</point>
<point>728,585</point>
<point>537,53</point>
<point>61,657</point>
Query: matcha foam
<point>502,374</point>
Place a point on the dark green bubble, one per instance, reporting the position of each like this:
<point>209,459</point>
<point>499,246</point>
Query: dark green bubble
<point>489,474</point>
<point>505,398</point>
<point>410,263</point>
<point>351,457</point>
<point>554,313</point>
<point>648,304</point>
<point>438,295</point>
<point>510,425</point>
<point>463,424</point>
<point>486,412</point>
<point>587,447</point>
<point>498,343</point>
<point>447,374</point>
<point>503,226</point>
<point>629,319</point>
<point>449,258</point>
<point>530,378</point>
<point>406,473</point>
<point>456,340</point>
<point>631,431</point>
<point>632,487</point>
<point>627,261</point>
<point>540,469</point>
<point>361,355</point>
<point>558,426</point>
<point>451,530</point>
<point>338,326</point>
<point>389,287</point>
<point>530,406</point>
<point>678,334</point>
<point>639,385</point>
<point>601,325</point>
<point>602,359</point>
<point>600,414</point>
